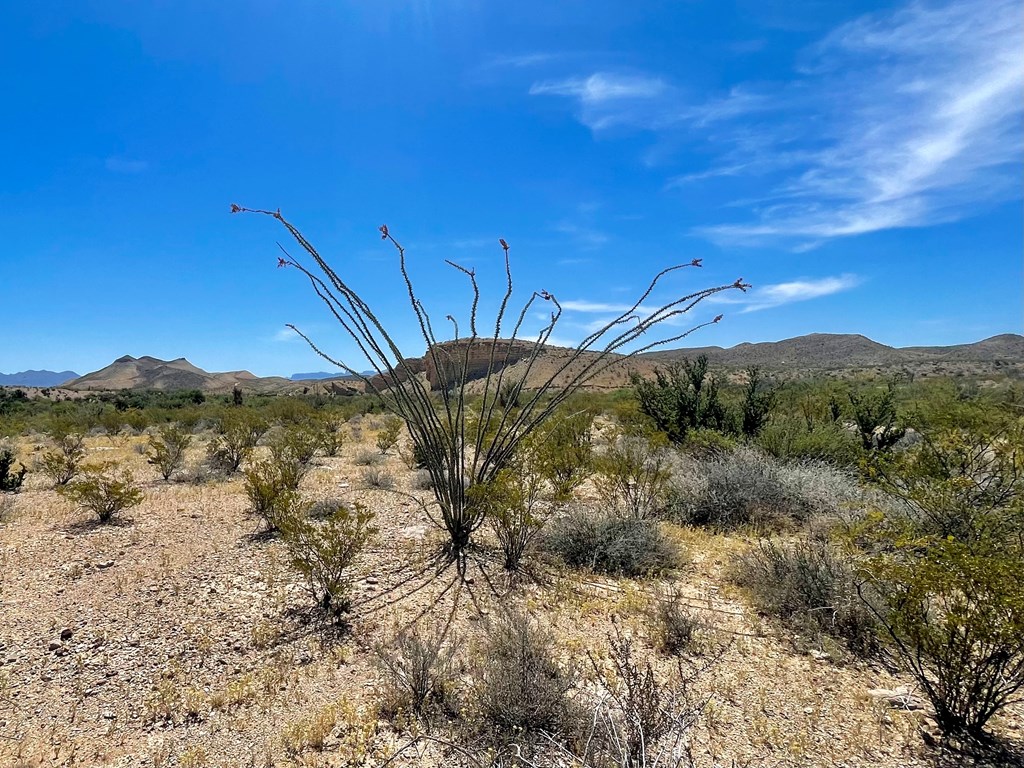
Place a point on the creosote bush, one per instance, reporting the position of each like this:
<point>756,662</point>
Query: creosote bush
<point>239,431</point>
<point>561,452</point>
<point>387,437</point>
<point>462,449</point>
<point>62,463</point>
<point>104,490</point>
<point>682,397</point>
<point>812,587</point>
<point>632,474</point>
<point>298,443</point>
<point>272,487</point>
<point>323,553</point>
<point>612,543</point>
<point>167,449</point>
<point>513,506</point>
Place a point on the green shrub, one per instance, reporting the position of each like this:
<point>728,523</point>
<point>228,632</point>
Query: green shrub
<point>418,671</point>
<point>707,444</point>
<point>790,439</point>
<point>10,480</point>
<point>104,490</point>
<point>323,553</point>
<point>387,437</point>
<point>272,487</point>
<point>512,506</point>
<point>875,415</point>
<point>332,435</point>
<point>518,685</point>
<point>62,463</point>
<point>955,616</point>
<point>812,588</point>
<point>632,473</point>
<point>758,401</point>
<point>682,397</point>
<point>561,452</point>
<point>167,449</point>
<point>610,543</point>
<point>239,431</point>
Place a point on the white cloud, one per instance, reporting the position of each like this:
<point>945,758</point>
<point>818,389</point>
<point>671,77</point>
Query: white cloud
<point>592,306</point>
<point>901,118</point>
<point>286,335</point>
<point>776,295</point>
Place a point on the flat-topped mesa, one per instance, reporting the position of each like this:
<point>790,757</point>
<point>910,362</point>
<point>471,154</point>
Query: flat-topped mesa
<point>452,355</point>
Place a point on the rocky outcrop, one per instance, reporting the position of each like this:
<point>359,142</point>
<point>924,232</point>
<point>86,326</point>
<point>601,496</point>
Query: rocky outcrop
<point>475,356</point>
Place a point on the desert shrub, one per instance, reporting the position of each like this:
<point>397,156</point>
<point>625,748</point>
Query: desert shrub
<point>645,719</point>
<point>331,434</point>
<point>682,397</point>
<point>6,508</point>
<point>791,439</point>
<point>875,415</point>
<point>272,487</point>
<point>749,488</point>
<point>421,480</point>
<point>381,479</point>
<point>104,490</point>
<point>632,473</point>
<point>323,553</point>
<point>955,615</point>
<point>324,508</point>
<point>561,452</point>
<point>387,437</point>
<point>239,431</point>
<point>62,463</point>
<point>759,399</point>
<point>367,458</point>
<point>512,504</point>
<point>961,484</point>
<point>707,444</point>
<point>10,479</point>
<point>612,543</point>
<point>167,449</point>
<point>417,668</point>
<point>518,685</point>
<point>812,588</point>
<point>296,442</point>
<point>469,444</point>
<point>674,623</point>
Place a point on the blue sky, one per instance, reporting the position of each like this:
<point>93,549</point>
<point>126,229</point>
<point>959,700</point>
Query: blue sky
<point>860,164</point>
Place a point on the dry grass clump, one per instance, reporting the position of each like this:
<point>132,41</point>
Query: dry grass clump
<point>417,669</point>
<point>378,478</point>
<point>611,543</point>
<point>749,488</point>
<point>812,588</point>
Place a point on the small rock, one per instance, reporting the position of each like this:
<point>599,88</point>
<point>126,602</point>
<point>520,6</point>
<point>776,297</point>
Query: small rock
<point>108,715</point>
<point>55,645</point>
<point>65,634</point>
<point>371,579</point>
<point>104,563</point>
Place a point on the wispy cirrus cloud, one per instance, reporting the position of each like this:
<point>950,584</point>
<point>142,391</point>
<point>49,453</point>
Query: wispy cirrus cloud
<point>895,119</point>
<point>779,294</point>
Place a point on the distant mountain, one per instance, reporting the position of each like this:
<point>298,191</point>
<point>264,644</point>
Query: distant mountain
<point>152,373</point>
<point>36,378</point>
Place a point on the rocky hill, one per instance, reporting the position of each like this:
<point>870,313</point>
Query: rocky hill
<point>152,373</point>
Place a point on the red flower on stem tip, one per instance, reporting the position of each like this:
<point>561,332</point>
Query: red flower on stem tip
<point>503,243</point>
<point>281,262</point>
<point>740,284</point>
<point>383,231</point>
<point>235,208</point>
<point>696,263</point>
<point>717,318</point>
<point>545,295</point>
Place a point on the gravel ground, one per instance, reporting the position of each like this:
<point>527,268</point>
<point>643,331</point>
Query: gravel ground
<point>180,637</point>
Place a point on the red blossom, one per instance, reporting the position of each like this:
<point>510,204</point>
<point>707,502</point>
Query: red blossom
<point>717,318</point>
<point>235,208</point>
<point>696,263</point>
<point>281,262</point>
<point>383,231</point>
<point>503,243</point>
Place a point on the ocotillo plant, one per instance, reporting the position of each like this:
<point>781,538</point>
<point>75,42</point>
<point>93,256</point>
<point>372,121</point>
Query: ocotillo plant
<point>463,448</point>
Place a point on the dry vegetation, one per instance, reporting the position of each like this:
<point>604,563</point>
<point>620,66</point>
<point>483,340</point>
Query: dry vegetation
<point>180,636</point>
